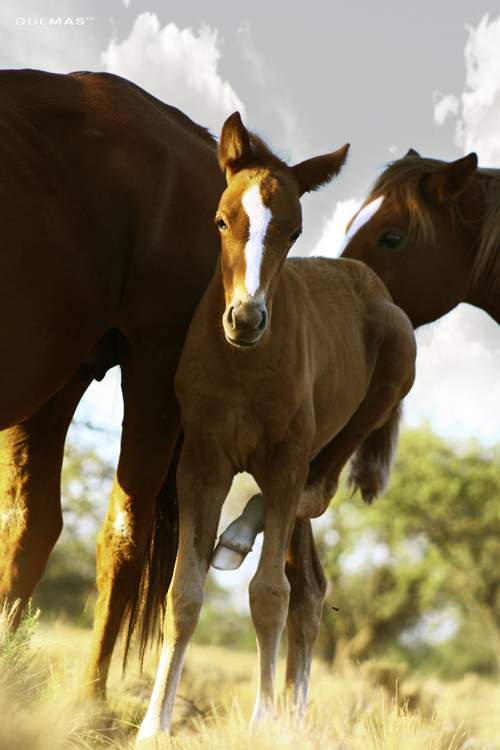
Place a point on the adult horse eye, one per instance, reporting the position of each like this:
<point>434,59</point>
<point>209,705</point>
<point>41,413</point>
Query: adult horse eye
<point>220,222</point>
<point>391,240</point>
<point>295,236</point>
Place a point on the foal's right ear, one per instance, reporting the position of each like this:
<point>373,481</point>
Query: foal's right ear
<point>234,145</point>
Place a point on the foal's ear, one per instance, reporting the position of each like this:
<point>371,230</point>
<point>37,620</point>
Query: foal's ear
<point>411,152</point>
<point>450,180</point>
<point>313,173</point>
<point>234,145</point>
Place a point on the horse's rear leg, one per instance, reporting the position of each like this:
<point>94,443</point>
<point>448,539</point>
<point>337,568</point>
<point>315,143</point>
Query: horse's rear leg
<point>201,496</point>
<point>238,539</point>
<point>379,413</point>
<point>307,592</point>
<point>149,432</point>
<point>31,456</point>
<point>371,464</point>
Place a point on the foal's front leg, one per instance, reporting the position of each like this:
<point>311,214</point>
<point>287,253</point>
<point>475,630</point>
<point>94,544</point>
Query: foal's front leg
<point>269,589</point>
<point>201,496</point>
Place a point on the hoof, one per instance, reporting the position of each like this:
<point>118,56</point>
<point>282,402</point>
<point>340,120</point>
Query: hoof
<point>229,555</point>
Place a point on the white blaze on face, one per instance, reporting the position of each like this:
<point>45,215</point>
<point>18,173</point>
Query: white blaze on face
<point>259,217</point>
<point>364,215</point>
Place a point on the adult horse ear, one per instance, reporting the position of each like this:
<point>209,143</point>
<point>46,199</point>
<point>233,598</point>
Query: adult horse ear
<point>450,180</point>
<point>234,145</point>
<point>412,152</point>
<point>320,170</point>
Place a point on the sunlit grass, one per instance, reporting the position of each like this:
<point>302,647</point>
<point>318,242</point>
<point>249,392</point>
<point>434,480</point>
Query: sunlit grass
<point>356,707</point>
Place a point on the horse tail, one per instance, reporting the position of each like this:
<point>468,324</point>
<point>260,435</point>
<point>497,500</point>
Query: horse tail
<point>147,607</point>
<point>371,464</point>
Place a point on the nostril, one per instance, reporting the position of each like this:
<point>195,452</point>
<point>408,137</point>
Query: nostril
<point>230,317</point>
<point>263,322</point>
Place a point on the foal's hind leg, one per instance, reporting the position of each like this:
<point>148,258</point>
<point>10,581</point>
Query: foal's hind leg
<point>238,539</point>
<point>307,592</point>
<point>379,414</point>
<point>31,456</point>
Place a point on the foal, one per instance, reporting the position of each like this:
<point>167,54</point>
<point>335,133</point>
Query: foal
<point>288,368</point>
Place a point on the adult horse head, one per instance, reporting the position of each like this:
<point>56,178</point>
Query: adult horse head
<point>431,231</point>
<point>259,218</point>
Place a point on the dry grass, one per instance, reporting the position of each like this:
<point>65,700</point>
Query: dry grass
<point>355,708</point>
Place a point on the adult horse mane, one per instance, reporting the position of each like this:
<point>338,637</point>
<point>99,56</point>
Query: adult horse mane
<point>447,216</point>
<point>402,179</point>
<point>107,246</point>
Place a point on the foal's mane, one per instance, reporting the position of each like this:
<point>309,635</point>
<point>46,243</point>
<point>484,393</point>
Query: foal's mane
<point>401,181</point>
<point>262,154</point>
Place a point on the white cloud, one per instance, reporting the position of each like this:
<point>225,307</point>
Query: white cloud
<point>444,106</point>
<point>177,66</point>
<point>334,228</point>
<point>458,376</point>
<point>275,98</point>
<point>478,128</point>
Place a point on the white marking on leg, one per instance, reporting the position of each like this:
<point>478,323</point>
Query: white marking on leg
<point>120,525</point>
<point>360,219</point>
<point>159,714</point>
<point>11,518</point>
<point>259,217</point>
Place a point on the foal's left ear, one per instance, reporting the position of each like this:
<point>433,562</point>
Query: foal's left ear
<point>313,173</point>
<point>450,180</point>
<point>234,145</point>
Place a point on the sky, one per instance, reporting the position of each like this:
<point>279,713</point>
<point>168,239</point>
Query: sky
<point>310,77</point>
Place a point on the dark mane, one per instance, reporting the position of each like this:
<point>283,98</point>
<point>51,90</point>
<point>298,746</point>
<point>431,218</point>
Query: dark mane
<point>400,181</point>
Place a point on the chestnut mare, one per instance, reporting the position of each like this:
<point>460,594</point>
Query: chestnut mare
<point>106,197</point>
<point>431,231</point>
<point>288,368</point>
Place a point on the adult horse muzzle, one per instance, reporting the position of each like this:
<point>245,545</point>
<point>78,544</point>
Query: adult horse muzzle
<point>244,323</point>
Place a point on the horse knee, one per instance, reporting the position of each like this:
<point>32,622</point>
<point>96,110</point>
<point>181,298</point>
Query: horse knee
<point>269,600</point>
<point>185,607</point>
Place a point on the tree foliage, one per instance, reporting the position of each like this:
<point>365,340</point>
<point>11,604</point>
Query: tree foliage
<point>69,579</point>
<point>430,545</point>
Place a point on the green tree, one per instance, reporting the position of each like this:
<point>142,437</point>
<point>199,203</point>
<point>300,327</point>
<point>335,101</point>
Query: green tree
<point>69,578</point>
<point>431,543</point>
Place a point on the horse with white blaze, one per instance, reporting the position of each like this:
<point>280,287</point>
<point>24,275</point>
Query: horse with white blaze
<point>289,368</point>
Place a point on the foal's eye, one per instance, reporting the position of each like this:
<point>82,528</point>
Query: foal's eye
<point>391,240</point>
<point>295,236</point>
<point>220,222</point>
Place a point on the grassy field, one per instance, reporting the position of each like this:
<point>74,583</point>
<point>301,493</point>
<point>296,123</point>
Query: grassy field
<point>364,707</point>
